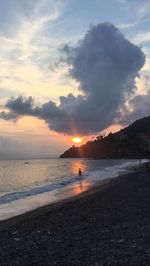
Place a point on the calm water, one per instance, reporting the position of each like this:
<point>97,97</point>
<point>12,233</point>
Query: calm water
<point>25,185</point>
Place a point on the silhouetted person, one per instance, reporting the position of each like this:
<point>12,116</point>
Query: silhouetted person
<point>80,172</point>
<point>80,179</point>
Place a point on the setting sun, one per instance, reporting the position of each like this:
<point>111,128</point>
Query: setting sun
<point>77,140</point>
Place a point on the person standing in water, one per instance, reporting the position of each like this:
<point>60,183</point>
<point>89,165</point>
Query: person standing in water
<point>80,172</point>
<point>80,179</point>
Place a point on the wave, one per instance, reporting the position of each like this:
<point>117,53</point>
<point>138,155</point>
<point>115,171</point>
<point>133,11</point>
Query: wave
<point>92,177</point>
<point>36,190</point>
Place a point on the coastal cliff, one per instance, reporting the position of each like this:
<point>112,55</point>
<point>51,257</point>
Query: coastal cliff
<point>130,142</point>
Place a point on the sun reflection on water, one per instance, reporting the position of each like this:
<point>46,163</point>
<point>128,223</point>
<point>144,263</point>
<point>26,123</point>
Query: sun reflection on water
<point>75,165</point>
<point>80,187</point>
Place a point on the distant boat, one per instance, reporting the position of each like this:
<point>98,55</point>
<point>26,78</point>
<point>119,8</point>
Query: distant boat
<point>26,162</point>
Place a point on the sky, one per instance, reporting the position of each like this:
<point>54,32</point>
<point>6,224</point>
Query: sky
<point>70,68</point>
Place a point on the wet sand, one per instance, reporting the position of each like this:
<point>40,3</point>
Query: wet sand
<point>108,225</point>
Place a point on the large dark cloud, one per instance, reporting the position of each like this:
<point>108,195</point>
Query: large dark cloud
<point>105,65</point>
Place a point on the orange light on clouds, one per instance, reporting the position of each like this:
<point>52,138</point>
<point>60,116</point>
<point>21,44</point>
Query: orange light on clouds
<point>77,140</point>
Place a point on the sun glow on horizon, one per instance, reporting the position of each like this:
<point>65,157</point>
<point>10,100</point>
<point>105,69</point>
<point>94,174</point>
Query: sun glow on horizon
<point>77,140</point>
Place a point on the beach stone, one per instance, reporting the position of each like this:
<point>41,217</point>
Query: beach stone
<point>121,241</point>
<point>14,233</point>
<point>17,239</point>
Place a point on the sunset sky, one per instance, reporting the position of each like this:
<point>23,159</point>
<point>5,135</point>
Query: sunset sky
<point>67,70</point>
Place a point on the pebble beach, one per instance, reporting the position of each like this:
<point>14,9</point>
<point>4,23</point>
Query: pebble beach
<point>108,225</point>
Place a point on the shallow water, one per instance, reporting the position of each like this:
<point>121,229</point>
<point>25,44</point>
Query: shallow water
<point>26,185</point>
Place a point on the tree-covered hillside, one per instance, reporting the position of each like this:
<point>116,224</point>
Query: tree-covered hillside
<point>130,142</point>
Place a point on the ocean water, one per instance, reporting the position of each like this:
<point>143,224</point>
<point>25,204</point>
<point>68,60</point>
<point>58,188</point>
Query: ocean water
<point>26,185</point>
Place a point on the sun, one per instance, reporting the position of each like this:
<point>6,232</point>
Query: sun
<point>77,140</point>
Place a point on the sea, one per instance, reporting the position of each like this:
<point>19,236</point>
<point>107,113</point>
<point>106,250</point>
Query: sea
<point>28,184</point>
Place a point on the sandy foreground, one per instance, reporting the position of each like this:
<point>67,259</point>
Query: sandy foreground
<point>108,225</point>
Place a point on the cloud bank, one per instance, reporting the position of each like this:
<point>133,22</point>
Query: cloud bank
<point>140,106</point>
<point>105,65</point>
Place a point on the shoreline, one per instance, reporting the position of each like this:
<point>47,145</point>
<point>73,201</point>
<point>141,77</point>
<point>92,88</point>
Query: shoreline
<point>107,225</point>
<point>101,185</point>
<point>43,209</point>
<point>50,199</point>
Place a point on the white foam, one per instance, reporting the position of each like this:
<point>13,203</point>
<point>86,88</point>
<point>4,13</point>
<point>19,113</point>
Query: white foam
<point>111,171</point>
<point>17,203</point>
